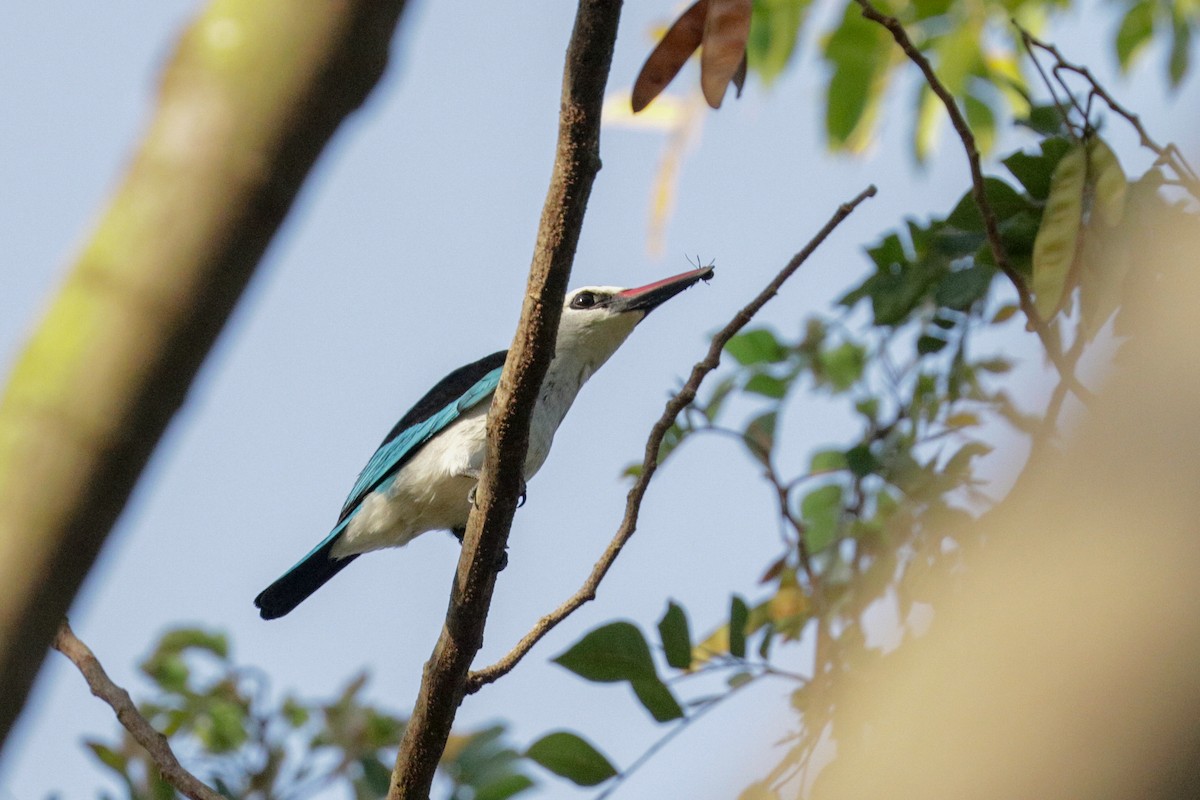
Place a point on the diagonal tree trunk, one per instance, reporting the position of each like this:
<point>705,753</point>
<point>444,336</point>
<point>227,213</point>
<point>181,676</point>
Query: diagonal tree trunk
<point>252,94</point>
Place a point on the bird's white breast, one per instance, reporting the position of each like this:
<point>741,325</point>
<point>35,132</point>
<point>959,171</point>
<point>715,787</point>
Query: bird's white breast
<point>430,491</point>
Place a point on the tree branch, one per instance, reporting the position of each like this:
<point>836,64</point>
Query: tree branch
<point>247,103</point>
<point>675,405</point>
<point>577,160</point>
<point>1169,154</point>
<point>978,192</point>
<point>187,784</point>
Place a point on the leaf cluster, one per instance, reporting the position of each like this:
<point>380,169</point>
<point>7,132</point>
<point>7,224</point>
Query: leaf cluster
<point>973,47</point>
<point>221,719</point>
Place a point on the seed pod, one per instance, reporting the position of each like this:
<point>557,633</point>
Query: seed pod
<point>726,29</point>
<point>670,55</point>
<point>1105,173</point>
<point>1057,237</point>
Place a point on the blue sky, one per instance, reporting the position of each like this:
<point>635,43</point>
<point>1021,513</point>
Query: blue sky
<point>405,257</point>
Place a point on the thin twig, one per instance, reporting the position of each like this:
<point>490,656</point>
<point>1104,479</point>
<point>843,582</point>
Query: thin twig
<point>782,495</point>
<point>675,405</point>
<point>1054,407</point>
<point>1168,154</point>
<point>978,192</point>
<point>666,738</point>
<point>187,784</point>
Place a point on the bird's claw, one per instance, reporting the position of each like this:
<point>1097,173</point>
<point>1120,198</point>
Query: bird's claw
<point>471,495</point>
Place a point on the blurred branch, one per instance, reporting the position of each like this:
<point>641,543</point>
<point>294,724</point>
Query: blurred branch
<point>675,405</point>
<point>999,255</point>
<point>577,160</point>
<point>187,784</point>
<point>247,102</point>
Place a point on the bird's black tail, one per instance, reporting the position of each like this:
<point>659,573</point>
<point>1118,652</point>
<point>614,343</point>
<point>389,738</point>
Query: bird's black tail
<point>301,580</point>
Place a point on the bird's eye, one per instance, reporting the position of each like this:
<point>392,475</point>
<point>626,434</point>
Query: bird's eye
<point>584,300</point>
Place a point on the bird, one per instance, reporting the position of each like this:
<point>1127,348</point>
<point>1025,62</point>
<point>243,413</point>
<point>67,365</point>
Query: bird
<point>424,474</point>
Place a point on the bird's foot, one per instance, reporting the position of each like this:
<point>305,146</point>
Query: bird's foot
<point>472,495</point>
<point>473,474</point>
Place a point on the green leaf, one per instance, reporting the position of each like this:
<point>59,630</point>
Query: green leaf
<point>571,757</point>
<point>959,53</point>
<point>109,757</point>
<point>294,712</point>
<point>869,408</point>
<point>997,366</point>
<point>675,636</point>
<point>862,461</point>
<point>1057,238</point>
<point>671,440</point>
<point>1004,200</point>
<point>381,730</point>
<point>859,52</point>
<point>927,124</point>
<point>169,671</point>
<point>827,461</point>
<point>1181,40</point>
<point>613,652</point>
<point>821,510</point>
<point>181,639</point>
<point>1034,171</point>
<point>767,386</point>
<point>1137,28</point>
<point>982,121</point>
<point>376,776</point>
<point>716,400</point>
<point>738,679</point>
<point>657,699</point>
<point>739,614</point>
<point>843,365</point>
<point>225,728</point>
<point>774,31</point>
<point>927,345</point>
<point>1109,181</point>
<point>759,435</point>
<point>963,288</point>
<point>1046,120</point>
<point>758,346</point>
<point>504,787</point>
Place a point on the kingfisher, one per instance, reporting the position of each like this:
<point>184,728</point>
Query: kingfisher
<point>424,474</point>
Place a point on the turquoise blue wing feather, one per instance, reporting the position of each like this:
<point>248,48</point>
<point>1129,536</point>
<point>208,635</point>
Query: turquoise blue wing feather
<point>394,453</point>
<point>453,396</point>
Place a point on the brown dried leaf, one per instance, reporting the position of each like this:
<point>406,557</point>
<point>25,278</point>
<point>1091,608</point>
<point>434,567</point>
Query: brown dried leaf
<point>671,54</point>
<point>726,29</point>
<point>739,77</point>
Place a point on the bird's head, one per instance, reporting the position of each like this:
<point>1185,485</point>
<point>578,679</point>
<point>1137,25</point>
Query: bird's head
<point>597,319</point>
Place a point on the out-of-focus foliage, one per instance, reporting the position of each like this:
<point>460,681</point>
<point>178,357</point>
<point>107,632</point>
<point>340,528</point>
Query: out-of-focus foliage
<point>871,516</point>
<point>974,48</point>
<point>874,515</point>
<point>225,726</point>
